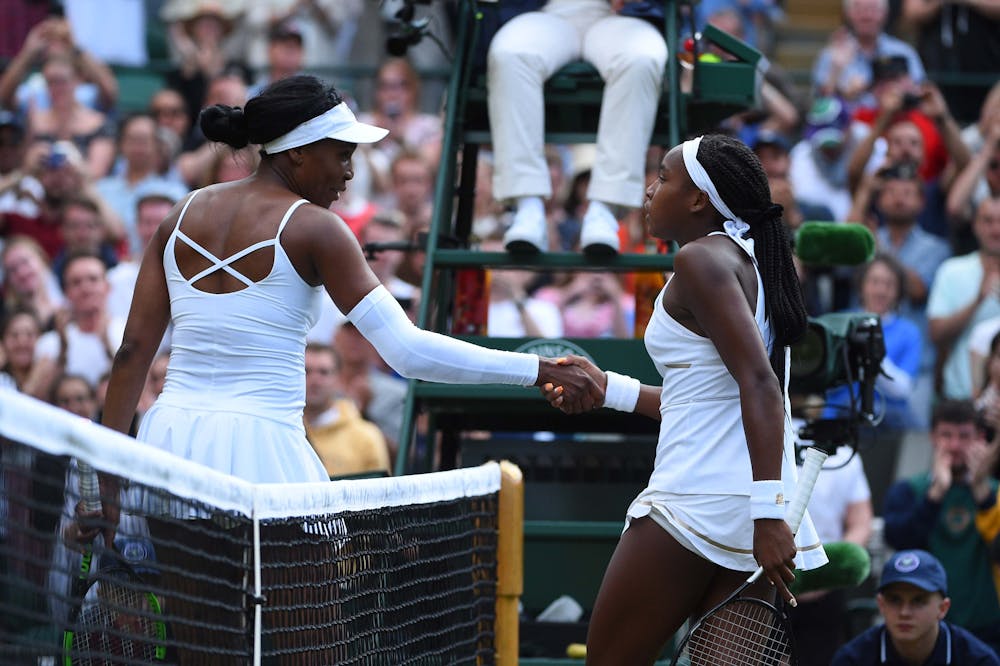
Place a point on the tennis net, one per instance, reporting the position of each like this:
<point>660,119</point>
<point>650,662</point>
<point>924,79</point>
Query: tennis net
<point>208,569</point>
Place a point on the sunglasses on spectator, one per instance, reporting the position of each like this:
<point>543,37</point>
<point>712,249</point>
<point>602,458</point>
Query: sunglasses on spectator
<point>993,164</point>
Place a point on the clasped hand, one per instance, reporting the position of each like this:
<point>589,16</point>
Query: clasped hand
<point>572,384</point>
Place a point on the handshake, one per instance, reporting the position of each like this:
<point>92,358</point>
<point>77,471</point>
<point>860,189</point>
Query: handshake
<point>572,384</point>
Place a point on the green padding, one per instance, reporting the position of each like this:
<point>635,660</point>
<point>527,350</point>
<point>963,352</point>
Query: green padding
<point>135,86</point>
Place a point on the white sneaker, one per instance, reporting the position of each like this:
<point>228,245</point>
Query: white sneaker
<point>599,234</point>
<point>528,233</point>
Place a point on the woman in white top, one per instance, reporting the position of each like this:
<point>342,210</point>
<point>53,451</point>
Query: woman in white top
<point>725,466</point>
<point>235,268</point>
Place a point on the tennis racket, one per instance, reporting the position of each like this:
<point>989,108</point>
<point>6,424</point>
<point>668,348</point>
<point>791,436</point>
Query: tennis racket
<point>744,630</point>
<point>113,618</point>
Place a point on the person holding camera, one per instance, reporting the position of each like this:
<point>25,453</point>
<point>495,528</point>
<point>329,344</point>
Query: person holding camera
<point>52,174</point>
<point>937,511</point>
<point>844,67</point>
<point>897,96</point>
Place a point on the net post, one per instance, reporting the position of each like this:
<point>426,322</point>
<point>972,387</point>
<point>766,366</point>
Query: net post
<point>510,562</point>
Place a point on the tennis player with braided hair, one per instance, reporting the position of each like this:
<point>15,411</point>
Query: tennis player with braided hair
<point>236,268</point>
<point>715,504</point>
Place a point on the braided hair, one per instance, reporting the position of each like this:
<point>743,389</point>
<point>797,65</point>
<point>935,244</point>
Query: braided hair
<point>741,182</point>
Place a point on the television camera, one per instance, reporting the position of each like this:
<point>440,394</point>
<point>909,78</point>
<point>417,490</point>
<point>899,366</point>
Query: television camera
<point>839,348</point>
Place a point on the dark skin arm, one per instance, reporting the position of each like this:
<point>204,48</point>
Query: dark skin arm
<point>710,294</point>
<point>711,298</point>
<point>147,321</point>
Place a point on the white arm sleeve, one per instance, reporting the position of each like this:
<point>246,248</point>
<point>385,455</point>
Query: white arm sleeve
<point>418,354</point>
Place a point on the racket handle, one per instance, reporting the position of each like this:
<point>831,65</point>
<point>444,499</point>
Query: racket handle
<point>90,489</point>
<point>814,459</point>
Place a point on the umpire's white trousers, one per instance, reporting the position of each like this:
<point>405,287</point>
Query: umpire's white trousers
<point>630,55</point>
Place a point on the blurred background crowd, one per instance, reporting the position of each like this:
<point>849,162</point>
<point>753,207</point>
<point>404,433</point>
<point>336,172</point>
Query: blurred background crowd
<point>882,112</point>
<point>884,121</point>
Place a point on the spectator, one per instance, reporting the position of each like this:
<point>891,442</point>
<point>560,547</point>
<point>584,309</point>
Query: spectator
<point>52,38</point>
<point>84,343</point>
<point>844,66</point>
<point>347,444</point>
<point>18,334</point>
<point>66,119</point>
<point>936,511</point>
<point>12,148</point>
<point>891,203</point>
<point>397,98</point>
<point>412,190</point>
<point>229,165</point>
<point>965,292</point>
<point>29,282</point>
<point>193,166</point>
<point>83,230</point>
<point>756,18</point>
<point>594,305</point>
<point>328,29</point>
<point>284,55</point>
<point>882,285</point>
<point>898,97</point>
<point>979,180</point>
<point>630,55</point>
<point>514,311</point>
<point>913,598</point>
<point>141,165</point>
<point>777,110</point>
<point>986,368</point>
<point>958,38</point>
<point>154,199</point>
<point>363,377</point>
<point>155,380</point>
<point>76,395</point>
<point>60,171</point>
<point>772,150</point>
<point>199,34</point>
<point>387,228</point>
<point>168,109</point>
<point>818,163</point>
<point>975,133</point>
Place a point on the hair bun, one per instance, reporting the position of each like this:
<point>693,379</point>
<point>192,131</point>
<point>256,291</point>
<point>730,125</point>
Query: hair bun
<point>226,124</point>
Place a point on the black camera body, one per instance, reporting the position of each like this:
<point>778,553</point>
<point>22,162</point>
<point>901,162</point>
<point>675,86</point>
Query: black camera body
<point>911,100</point>
<point>840,348</point>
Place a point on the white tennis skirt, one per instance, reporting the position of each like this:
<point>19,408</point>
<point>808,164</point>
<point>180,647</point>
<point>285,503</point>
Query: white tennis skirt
<point>718,528</point>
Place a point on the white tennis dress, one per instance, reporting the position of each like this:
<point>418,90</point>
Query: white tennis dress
<point>235,387</point>
<point>700,487</point>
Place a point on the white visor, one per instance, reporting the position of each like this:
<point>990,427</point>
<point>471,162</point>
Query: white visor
<point>337,123</point>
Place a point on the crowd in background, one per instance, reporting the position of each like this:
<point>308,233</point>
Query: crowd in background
<point>84,182</point>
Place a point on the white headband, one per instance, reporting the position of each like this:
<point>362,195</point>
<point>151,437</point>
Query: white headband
<point>337,123</point>
<point>701,179</point>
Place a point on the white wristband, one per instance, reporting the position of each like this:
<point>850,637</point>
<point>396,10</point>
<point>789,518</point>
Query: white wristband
<point>622,392</point>
<point>767,499</point>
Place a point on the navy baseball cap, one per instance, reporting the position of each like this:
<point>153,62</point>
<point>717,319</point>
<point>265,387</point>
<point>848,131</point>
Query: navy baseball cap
<point>916,567</point>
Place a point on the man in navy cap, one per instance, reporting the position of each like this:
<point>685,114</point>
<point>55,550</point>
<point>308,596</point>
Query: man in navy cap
<point>913,599</point>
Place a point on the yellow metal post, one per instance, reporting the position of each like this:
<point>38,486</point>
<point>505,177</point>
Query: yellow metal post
<point>510,562</point>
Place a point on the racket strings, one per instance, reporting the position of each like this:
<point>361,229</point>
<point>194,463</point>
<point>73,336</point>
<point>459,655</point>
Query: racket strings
<point>116,625</point>
<point>743,632</point>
